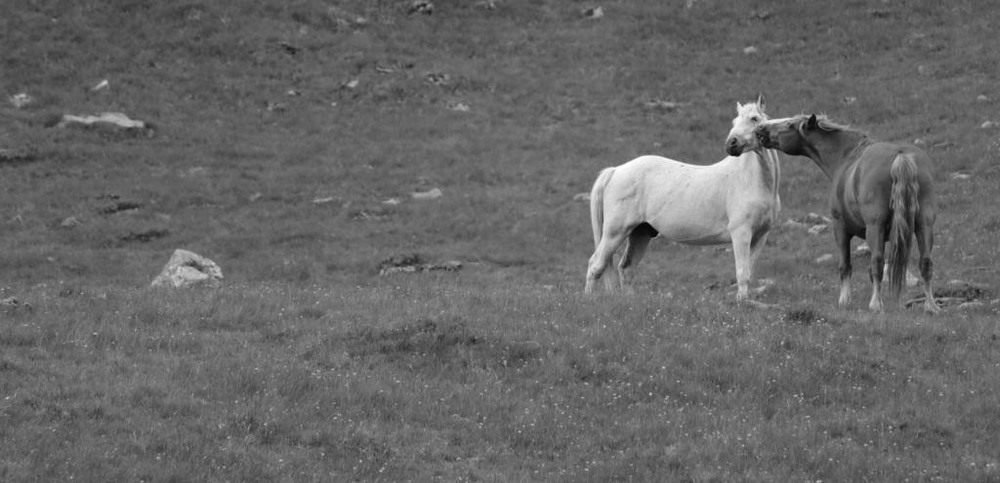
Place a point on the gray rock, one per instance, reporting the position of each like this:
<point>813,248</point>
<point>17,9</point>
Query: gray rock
<point>188,269</point>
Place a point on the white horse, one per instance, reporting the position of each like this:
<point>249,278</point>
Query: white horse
<point>734,200</point>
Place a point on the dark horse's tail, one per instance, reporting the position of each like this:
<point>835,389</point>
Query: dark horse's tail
<point>903,202</point>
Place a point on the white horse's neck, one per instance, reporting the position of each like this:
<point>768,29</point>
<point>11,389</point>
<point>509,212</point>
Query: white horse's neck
<point>770,168</point>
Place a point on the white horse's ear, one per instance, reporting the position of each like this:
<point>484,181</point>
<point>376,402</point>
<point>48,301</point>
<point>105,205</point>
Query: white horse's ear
<point>760,100</point>
<point>738,105</point>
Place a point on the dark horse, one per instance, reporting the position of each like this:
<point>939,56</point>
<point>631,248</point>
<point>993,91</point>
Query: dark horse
<point>882,192</point>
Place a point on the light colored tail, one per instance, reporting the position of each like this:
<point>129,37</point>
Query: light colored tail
<point>903,202</point>
<point>597,203</point>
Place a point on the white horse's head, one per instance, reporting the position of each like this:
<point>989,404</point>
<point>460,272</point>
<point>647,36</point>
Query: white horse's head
<point>741,137</point>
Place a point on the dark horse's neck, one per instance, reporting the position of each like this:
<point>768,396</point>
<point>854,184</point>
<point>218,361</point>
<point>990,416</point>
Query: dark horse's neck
<point>837,148</point>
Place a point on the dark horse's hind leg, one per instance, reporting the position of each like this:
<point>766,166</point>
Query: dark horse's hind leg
<point>844,247</point>
<point>924,231</point>
<point>875,235</point>
<point>635,248</point>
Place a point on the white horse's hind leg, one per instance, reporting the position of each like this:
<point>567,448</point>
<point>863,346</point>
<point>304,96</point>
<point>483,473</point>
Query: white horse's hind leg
<point>635,248</point>
<point>741,253</point>
<point>755,253</point>
<point>601,258</point>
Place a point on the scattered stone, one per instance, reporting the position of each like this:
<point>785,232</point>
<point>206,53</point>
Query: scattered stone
<point>344,18</point>
<point>423,7</point>
<point>920,142</point>
<point>70,222</point>
<point>114,120</point>
<point>350,84</point>
<point>391,202</point>
<point>750,50</point>
<point>14,156</point>
<point>188,269</point>
<point>958,293</point>
<point>289,48</point>
<point>825,258</point>
<point>790,223</point>
<point>120,206</point>
<point>143,236</point>
<point>11,305</point>
<point>849,100</point>
<point>593,12</point>
<point>765,283</point>
<point>256,196</point>
<point>982,98</point>
<point>414,263</point>
<point>581,197</point>
<point>880,12</point>
<point>430,194</point>
<point>323,200</point>
<point>863,249</point>
<point>970,305</point>
<point>816,229</point>
<point>104,84</point>
<point>960,176</point>
<point>988,125</point>
<point>437,78</point>
<point>21,99</point>
<point>761,305</point>
<point>10,302</point>
<point>661,105</point>
<point>816,218</point>
<point>459,107</point>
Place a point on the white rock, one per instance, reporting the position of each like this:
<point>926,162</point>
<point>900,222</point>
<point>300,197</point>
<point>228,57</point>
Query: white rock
<point>70,222</point>
<point>112,118</point>
<point>825,258</point>
<point>960,176</point>
<point>20,100</point>
<point>188,269</point>
<point>750,50</point>
<point>817,229</point>
<point>595,12</point>
<point>427,195</point>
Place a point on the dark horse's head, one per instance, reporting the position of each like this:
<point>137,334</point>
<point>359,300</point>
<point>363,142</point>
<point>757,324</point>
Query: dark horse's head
<point>789,135</point>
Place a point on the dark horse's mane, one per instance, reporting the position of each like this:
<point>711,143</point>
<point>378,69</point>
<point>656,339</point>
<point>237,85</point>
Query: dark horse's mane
<point>826,124</point>
<point>823,122</point>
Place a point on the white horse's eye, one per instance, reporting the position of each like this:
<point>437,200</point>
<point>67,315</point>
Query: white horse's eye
<point>754,119</point>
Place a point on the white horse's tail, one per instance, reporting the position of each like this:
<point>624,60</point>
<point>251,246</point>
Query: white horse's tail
<point>597,203</point>
<point>903,202</point>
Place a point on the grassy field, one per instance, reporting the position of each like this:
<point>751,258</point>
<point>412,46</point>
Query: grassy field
<point>288,138</point>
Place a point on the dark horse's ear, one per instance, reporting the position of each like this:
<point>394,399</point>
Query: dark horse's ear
<point>812,123</point>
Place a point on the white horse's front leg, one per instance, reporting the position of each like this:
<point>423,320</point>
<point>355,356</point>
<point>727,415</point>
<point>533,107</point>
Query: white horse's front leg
<point>741,253</point>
